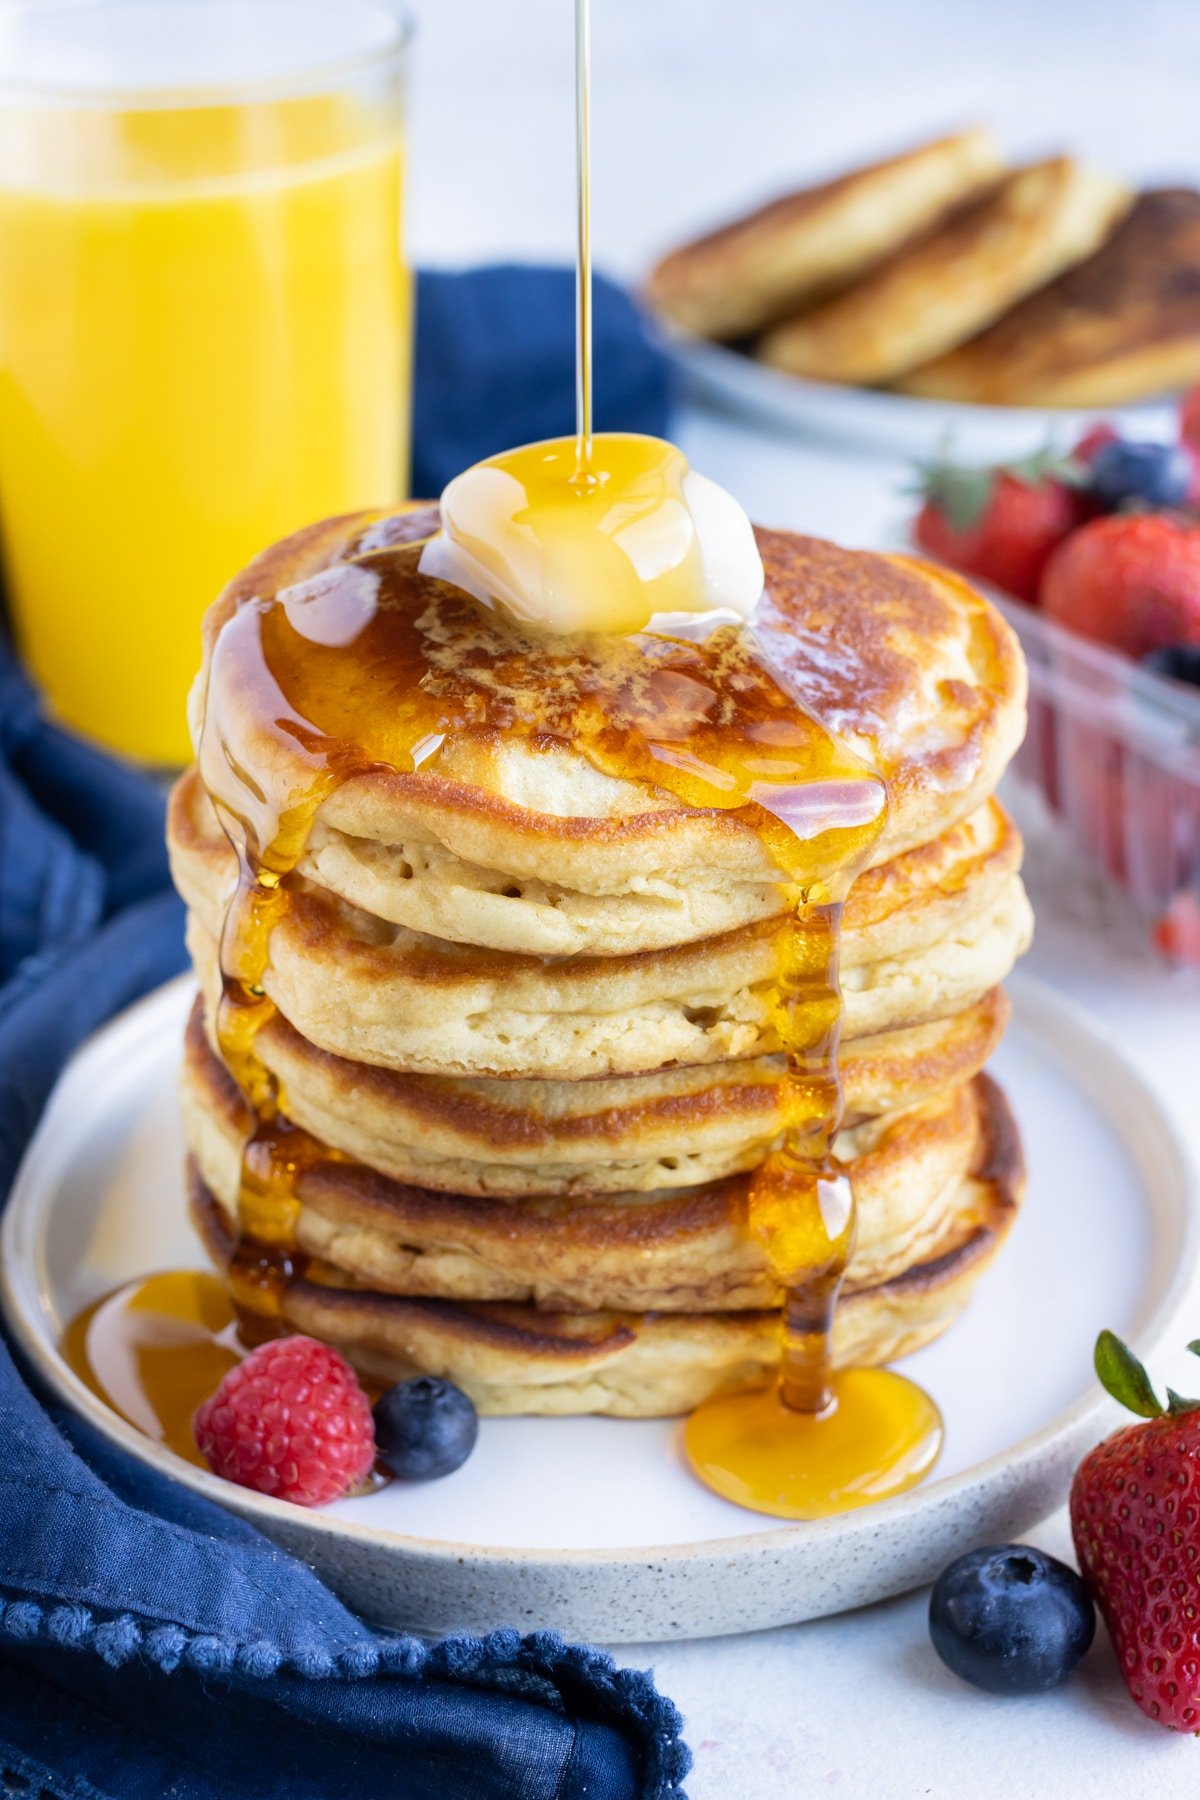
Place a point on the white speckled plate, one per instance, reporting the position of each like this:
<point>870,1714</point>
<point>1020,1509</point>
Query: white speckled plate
<point>594,1526</point>
<point>904,425</point>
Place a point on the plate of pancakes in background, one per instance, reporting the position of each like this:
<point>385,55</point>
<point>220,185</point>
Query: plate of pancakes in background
<point>943,295</point>
<point>522,1015</point>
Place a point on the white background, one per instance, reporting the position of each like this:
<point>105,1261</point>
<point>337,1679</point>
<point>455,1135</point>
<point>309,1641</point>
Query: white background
<point>701,105</point>
<point>698,108</point>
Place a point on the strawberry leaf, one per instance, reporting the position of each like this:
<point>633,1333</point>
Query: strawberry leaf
<point>1176,1404</point>
<point>960,494</point>
<point>1124,1377</point>
<point>1194,1346</point>
<point>1050,465</point>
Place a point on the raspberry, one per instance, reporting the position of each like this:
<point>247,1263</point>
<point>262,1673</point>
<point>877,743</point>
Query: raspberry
<point>291,1421</point>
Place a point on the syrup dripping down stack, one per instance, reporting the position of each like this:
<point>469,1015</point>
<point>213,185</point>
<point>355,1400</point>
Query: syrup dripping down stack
<point>485,1054</point>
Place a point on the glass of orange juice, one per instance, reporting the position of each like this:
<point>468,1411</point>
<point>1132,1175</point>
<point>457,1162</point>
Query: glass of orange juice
<point>205,323</point>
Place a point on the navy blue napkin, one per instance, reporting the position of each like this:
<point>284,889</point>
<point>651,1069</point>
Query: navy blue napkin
<point>151,1644</point>
<point>500,349</point>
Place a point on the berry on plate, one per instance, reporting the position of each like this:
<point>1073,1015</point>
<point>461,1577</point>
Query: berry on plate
<point>425,1428</point>
<point>1131,581</point>
<point>1000,523</point>
<point>1135,1517</point>
<point>290,1420</point>
<point>1010,1619</point>
<point>1145,475</point>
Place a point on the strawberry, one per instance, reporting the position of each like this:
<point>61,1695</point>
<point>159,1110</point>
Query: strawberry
<point>1135,1518</point>
<point>1000,523</point>
<point>1131,581</point>
<point>1189,417</point>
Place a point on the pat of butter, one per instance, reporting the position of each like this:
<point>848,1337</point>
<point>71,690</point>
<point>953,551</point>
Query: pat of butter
<point>634,536</point>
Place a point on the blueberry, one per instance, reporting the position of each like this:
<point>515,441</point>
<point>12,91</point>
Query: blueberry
<point>1145,474</point>
<point>1010,1619</point>
<point>1179,662</point>
<point>424,1428</point>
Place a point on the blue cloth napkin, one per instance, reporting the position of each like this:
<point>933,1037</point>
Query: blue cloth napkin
<point>152,1644</point>
<point>496,366</point>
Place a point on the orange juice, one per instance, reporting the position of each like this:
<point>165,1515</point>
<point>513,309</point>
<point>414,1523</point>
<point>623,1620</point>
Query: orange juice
<point>204,328</point>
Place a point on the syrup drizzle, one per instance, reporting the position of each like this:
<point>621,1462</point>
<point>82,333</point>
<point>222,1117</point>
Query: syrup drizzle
<point>371,664</point>
<point>583,246</point>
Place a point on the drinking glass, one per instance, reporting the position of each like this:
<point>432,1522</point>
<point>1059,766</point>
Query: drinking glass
<point>205,321</point>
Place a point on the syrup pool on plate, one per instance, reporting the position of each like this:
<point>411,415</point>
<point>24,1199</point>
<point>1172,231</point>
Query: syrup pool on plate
<point>155,1349</point>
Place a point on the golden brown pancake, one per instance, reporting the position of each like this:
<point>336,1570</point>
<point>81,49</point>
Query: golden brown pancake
<point>955,281</point>
<point>669,1129</point>
<point>379,994</point>
<point>738,279</point>
<point>907,665</point>
<point>517,1359</point>
<point>918,898</point>
<point>676,1250</point>
<point>1121,326</point>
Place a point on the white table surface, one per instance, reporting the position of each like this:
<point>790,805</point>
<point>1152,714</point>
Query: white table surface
<point>699,106</point>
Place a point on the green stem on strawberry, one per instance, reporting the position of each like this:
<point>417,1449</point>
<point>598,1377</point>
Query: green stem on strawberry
<point>1124,1377</point>
<point>1002,522</point>
<point>963,492</point>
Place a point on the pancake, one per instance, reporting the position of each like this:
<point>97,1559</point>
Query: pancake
<point>915,672</point>
<point>517,1359</point>
<point>1122,326</point>
<point>739,278</point>
<point>424,886</point>
<point>916,899</point>
<point>1035,223</point>
<point>377,993</point>
<point>669,1129</point>
<point>674,1250</point>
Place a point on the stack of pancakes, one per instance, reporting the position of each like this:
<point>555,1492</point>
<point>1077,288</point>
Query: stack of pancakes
<point>524,1021</point>
<point>948,275</point>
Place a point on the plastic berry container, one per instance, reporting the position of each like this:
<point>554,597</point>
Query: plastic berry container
<point>1113,749</point>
